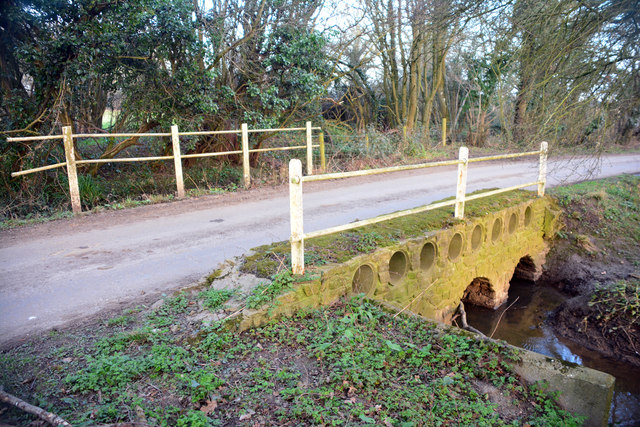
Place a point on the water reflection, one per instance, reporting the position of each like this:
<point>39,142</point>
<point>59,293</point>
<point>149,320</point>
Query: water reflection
<point>523,325</point>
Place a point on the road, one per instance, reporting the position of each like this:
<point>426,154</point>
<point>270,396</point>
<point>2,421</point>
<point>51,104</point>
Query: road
<point>64,271</point>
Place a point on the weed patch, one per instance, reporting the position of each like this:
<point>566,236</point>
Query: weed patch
<point>349,364</point>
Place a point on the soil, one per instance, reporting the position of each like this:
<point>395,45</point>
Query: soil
<point>575,319</point>
<point>591,253</point>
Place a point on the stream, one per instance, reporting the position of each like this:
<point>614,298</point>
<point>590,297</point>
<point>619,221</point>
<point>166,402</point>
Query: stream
<point>524,325</point>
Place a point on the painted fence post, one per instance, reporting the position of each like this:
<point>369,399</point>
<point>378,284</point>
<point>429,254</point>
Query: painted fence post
<point>309,150</point>
<point>72,173</point>
<point>177,161</point>
<point>461,188</point>
<point>542,172</point>
<point>295,212</point>
<point>323,160</point>
<point>444,131</point>
<point>246,167</point>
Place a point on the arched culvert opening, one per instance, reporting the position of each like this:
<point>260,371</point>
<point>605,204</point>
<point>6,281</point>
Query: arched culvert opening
<point>513,223</point>
<point>527,216</point>
<point>397,267</point>
<point>455,246</point>
<point>476,237</point>
<point>496,230</point>
<point>427,256</point>
<point>363,280</point>
<point>526,269</point>
<point>480,292</point>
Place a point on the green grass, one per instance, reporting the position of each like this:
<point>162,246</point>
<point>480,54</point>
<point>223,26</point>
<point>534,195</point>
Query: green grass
<point>349,364</point>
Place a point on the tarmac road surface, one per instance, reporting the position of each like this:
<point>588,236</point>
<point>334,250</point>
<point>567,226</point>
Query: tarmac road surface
<point>64,271</point>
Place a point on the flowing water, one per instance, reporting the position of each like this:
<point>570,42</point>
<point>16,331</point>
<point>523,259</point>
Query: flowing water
<point>524,325</point>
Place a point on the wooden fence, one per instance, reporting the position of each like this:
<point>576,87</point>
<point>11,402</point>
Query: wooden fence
<point>295,195</point>
<point>71,163</point>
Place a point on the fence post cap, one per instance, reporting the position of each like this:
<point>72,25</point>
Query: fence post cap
<point>463,153</point>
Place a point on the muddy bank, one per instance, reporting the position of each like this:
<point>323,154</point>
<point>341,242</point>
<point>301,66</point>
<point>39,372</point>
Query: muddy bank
<point>595,259</point>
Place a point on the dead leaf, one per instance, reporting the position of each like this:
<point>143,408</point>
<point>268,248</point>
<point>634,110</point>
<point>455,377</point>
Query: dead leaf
<point>248,415</point>
<point>209,407</point>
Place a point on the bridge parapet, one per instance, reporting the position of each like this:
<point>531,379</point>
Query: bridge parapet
<point>473,260</point>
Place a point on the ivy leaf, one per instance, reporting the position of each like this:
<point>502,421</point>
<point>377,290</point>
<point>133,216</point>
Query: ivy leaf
<point>393,346</point>
<point>366,419</point>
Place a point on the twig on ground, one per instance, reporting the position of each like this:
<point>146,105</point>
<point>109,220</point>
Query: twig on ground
<point>500,318</point>
<point>52,419</point>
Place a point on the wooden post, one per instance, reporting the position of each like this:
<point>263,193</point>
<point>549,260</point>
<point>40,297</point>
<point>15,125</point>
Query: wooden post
<point>72,173</point>
<point>542,172</point>
<point>323,160</point>
<point>366,142</point>
<point>295,212</point>
<point>177,161</point>
<point>444,131</point>
<point>461,188</point>
<point>245,156</point>
<point>309,150</point>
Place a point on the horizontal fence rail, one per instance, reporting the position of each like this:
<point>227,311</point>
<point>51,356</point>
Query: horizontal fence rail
<point>71,163</point>
<point>296,179</point>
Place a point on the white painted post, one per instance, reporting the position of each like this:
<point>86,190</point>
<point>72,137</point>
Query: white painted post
<point>72,173</point>
<point>542,172</point>
<point>245,156</point>
<point>177,161</point>
<point>309,150</point>
<point>461,188</point>
<point>295,211</point>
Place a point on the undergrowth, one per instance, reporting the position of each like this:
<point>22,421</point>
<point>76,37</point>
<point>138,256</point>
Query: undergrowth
<point>349,364</point>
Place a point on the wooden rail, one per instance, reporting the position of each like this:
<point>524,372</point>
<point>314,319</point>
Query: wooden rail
<point>71,162</point>
<point>295,195</point>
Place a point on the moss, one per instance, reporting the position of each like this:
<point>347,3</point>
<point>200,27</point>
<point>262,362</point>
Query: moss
<point>337,248</point>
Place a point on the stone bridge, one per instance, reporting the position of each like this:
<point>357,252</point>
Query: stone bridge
<point>473,261</point>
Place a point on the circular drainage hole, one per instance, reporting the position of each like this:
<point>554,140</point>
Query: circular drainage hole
<point>397,267</point>
<point>455,246</point>
<point>496,230</point>
<point>476,237</point>
<point>527,216</point>
<point>513,223</point>
<point>363,281</point>
<point>427,256</point>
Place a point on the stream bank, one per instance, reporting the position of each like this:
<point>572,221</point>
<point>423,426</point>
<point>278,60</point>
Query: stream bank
<point>585,308</point>
<point>527,324</point>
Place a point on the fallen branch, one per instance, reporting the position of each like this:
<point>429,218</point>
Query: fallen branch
<point>500,318</point>
<point>463,319</point>
<point>52,419</point>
